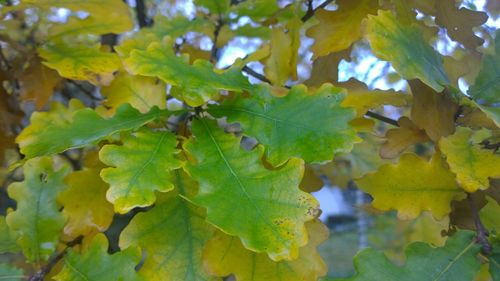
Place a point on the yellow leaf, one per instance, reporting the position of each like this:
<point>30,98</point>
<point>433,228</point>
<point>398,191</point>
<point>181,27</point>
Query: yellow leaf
<point>399,139</point>
<point>472,164</point>
<point>92,25</point>
<point>81,62</point>
<point>225,255</point>
<point>278,64</point>
<point>325,69</point>
<point>363,99</point>
<point>141,92</point>
<point>434,112</point>
<point>412,186</point>
<point>294,26</point>
<point>338,29</point>
<point>429,230</point>
<point>85,206</point>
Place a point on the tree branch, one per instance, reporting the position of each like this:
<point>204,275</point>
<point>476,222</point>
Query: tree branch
<point>215,50</point>
<point>482,232</point>
<point>310,12</point>
<point>140,10</point>
<point>40,275</point>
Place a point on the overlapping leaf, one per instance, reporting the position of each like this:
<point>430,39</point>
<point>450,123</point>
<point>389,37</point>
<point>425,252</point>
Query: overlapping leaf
<point>312,126</point>
<point>172,234</point>
<point>235,187</point>
<point>338,29</point>
<point>487,85</point>
<point>95,264</point>
<point>85,206</point>
<point>278,67</point>
<point>405,48</point>
<point>225,255</point>
<point>398,139</point>
<point>81,62</point>
<point>83,127</point>
<point>37,226</point>
<point>413,185</point>
<point>141,166</point>
<point>472,164</point>
<point>455,261</point>
<point>197,83</point>
<point>38,83</point>
<point>140,92</point>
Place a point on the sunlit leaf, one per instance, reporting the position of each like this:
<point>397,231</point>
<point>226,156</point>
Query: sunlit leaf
<point>309,125</point>
<point>412,186</point>
<point>236,187</point>
<point>37,228</point>
<point>140,167</point>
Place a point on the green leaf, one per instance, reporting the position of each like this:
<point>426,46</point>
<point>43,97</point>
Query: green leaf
<point>487,85</point>
<point>95,264</point>
<point>405,48</point>
<point>173,234</point>
<point>217,7</point>
<point>37,220</point>
<point>141,166</point>
<point>84,128</point>
<point>7,238</point>
<point>235,187</point>
<point>494,261</point>
<point>311,126</point>
<point>81,62</point>
<point>10,273</point>
<point>456,261</point>
<point>196,83</point>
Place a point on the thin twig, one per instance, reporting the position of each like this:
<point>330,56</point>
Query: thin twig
<point>482,232</point>
<point>85,91</point>
<point>40,275</point>
<point>255,74</point>
<point>310,12</point>
<point>215,50</point>
<point>140,10</point>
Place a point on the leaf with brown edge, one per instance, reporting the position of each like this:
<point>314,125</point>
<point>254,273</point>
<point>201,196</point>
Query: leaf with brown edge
<point>398,139</point>
<point>459,22</point>
<point>338,29</point>
<point>432,111</point>
<point>225,255</point>
<point>412,186</point>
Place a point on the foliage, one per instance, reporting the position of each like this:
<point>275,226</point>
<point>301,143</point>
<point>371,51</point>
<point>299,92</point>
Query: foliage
<point>131,148</point>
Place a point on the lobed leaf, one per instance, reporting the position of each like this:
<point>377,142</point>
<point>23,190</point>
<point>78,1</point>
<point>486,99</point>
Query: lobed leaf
<point>456,261</point>
<point>235,187</point>
<point>37,226</point>
<point>311,126</point>
<point>81,128</point>
<point>412,186</point>
<point>405,48</point>
<point>173,234</point>
<point>141,166</point>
